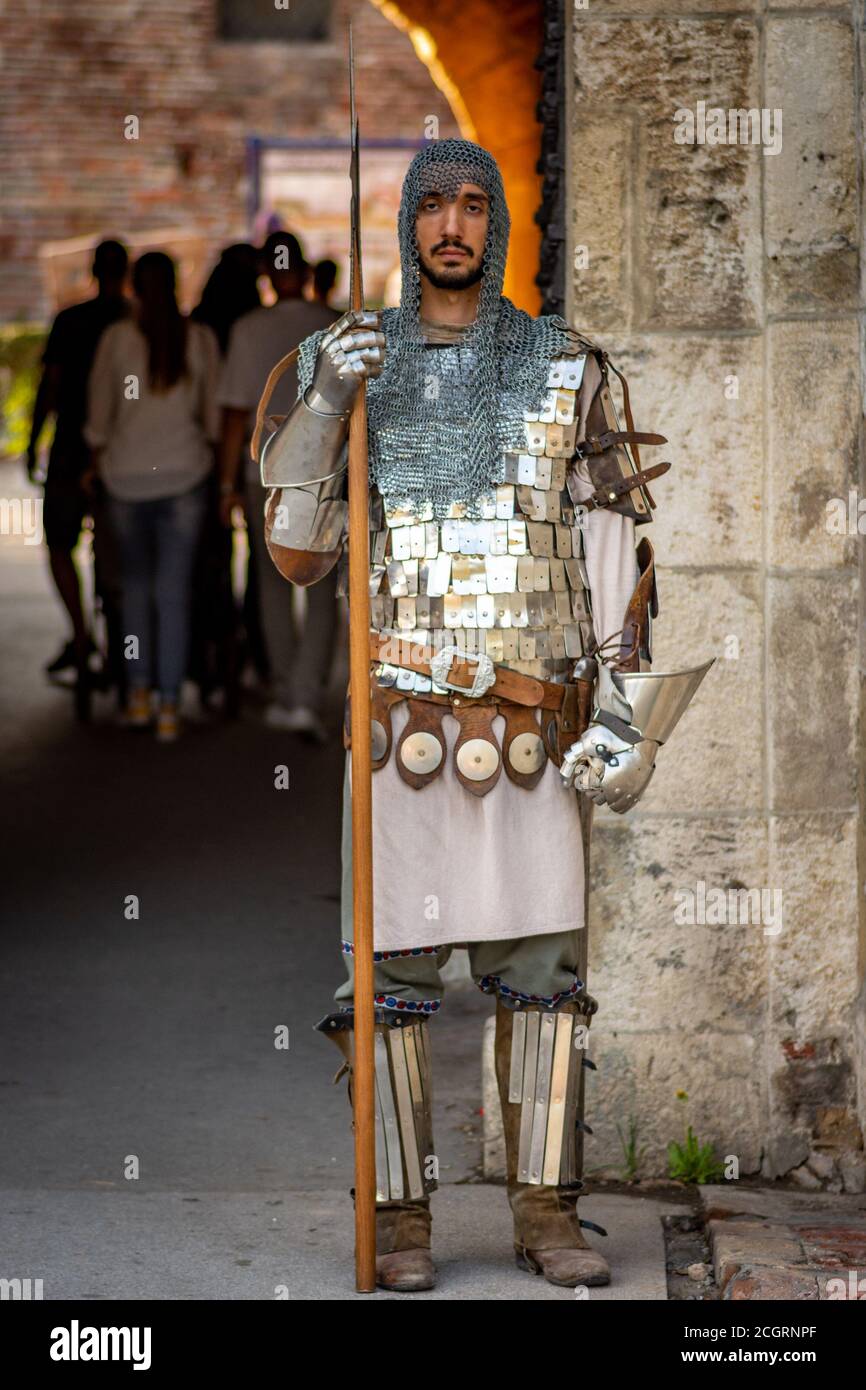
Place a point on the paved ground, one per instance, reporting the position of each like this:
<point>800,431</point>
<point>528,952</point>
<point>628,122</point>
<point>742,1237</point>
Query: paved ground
<point>151,1041</point>
<point>115,1243</point>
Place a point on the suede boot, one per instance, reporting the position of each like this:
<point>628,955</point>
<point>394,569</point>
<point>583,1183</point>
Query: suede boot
<point>404,1263</point>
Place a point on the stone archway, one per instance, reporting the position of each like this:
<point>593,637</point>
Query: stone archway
<point>482,55</point>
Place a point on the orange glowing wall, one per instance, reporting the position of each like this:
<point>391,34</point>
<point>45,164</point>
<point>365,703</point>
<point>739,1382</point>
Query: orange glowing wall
<point>481,54</point>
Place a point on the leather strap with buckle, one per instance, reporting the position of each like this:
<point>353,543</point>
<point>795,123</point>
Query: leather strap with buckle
<point>600,443</point>
<point>604,496</point>
<point>629,418</point>
<point>509,685</point>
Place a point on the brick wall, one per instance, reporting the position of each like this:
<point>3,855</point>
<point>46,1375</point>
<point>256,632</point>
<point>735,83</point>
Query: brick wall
<point>75,70</point>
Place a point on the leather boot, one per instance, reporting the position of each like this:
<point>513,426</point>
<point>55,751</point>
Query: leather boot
<point>548,1238</point>
<point>404,1263</point>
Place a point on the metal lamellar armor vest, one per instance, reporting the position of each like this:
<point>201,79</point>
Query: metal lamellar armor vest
<point>512,585</point>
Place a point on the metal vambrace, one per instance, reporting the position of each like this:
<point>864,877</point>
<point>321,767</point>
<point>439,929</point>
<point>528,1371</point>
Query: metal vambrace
<point>406,1165</point>
<point>306,458</point>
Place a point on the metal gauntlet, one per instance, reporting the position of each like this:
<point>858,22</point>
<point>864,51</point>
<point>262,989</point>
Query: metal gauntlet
<point>615,759</point>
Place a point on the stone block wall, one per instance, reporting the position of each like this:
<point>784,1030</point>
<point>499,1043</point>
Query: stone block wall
<point>726,283</point>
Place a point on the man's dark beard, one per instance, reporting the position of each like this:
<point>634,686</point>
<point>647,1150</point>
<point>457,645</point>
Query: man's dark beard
<point>470,276</point>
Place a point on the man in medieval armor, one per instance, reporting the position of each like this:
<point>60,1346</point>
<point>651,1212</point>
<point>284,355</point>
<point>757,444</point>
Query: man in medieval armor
<point>510,615</point>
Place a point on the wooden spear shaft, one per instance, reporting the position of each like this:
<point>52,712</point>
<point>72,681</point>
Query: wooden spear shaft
<point>362,771</point>
<point>362,850</point>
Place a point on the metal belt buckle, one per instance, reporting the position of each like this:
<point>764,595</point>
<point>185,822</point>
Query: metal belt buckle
<point>591,445</point>
<point>485,672</point>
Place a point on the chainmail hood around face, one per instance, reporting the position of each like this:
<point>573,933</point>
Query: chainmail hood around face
<point>441,419</point>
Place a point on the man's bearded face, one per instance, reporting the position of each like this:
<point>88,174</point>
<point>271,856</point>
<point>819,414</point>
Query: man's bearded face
<point>451,236</point>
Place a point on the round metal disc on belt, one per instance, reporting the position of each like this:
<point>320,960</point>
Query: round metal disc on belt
<point>477,759</point>
<point>526,752</point>
<point>421,752</point>
<point>378,740</point>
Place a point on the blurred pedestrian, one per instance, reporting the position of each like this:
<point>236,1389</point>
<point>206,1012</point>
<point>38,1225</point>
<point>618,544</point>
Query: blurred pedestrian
<point>232,290</point>
<point>152,424</point>
<point>62,392</point>
<point>215,647</point>
<point>324,279</point>
<point>299,663</point>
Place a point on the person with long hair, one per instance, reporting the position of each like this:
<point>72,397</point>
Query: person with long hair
<point>216,651</point>
<point>152,425</point>
<point>230,291</point>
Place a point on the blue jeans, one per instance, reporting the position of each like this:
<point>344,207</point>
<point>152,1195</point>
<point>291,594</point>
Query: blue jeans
<point>157,541</point>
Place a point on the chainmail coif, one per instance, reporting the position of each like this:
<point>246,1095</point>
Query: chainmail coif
<point>439,446</point>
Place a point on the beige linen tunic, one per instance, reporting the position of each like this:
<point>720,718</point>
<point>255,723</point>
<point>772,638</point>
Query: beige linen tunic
<point>452,867</point>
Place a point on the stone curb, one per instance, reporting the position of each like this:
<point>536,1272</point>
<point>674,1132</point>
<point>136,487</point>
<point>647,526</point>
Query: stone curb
<point>777,1244</point>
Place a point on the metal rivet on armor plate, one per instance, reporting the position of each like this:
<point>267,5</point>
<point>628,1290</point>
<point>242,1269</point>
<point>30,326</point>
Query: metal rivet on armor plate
<point>421,752</point>
<point>478,759</point>
<point>526,752</point>
<point>378,740</point>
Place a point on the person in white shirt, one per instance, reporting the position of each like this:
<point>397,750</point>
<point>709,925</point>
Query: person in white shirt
<point>299,663</point>
<point>152,426</point>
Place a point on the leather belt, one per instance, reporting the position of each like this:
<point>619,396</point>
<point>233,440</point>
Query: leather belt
<point>509,685</point>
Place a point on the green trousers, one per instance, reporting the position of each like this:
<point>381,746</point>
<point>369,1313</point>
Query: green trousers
<point>528,969</point>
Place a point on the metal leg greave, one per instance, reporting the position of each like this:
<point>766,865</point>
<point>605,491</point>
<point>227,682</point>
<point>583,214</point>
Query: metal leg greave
<point>540,1074</point>
<point>543,1079</point>
<point>406,1166</point>
<point>405,1161</point>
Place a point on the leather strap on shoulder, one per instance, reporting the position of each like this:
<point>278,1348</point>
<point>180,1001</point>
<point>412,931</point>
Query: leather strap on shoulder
<point>629,419</point>
<point>279,370</point>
